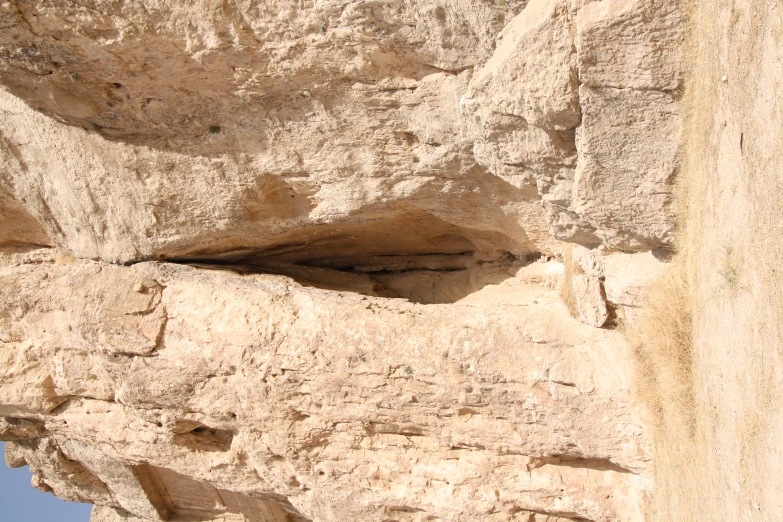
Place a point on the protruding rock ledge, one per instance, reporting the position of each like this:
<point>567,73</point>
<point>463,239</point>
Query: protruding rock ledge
<point>260,387</point>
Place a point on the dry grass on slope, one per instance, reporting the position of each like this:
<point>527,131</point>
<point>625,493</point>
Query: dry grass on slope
<point>664,353</point>
<point>662,342</point>
<point>710,343</point>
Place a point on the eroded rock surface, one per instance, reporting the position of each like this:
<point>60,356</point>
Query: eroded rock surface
<point>293,260</point>
<point>283,117</point>
<point>345,406</point>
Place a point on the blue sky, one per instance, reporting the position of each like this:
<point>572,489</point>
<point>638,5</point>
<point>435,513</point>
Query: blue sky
<point>21,502</point>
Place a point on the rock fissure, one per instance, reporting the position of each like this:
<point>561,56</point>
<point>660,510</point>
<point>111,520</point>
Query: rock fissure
<point>413,255</point>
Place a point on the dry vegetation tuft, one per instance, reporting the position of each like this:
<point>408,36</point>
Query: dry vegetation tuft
<point>664,352</point>
<point>570,269</point>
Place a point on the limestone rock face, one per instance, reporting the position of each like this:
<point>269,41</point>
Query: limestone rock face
<point>605,287</point>
<point>580,103</point>
<point>275,261</point>
<point>215,127</point>
<point>331,407</point>
<point>225,126</point>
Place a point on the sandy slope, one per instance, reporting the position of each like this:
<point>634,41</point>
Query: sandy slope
<point>725,464</point>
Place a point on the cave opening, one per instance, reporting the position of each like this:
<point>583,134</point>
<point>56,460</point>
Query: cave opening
<point>413,255</point>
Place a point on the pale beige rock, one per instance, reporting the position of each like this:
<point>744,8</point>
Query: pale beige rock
<point>260,385</point>
<point>583,289</point>
<point>14,456</point>
<point>523,103</point>
<point>522,106</point>
<point>630,71</point>
<point>241,115</point>
<point>612,285</point>
<point>295,275</point>
<point>590,300</point>
<point>581,100</point>
<point>623,183</point>
<point>337,113</point>
<point>107,514</point>
<point>628,279</point>
<point>630,44</point>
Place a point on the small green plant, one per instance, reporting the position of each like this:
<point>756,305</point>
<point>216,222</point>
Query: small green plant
<point>78,230</point>
<point>214,129</point>
<point>74,76</point>
<point>408,371</point>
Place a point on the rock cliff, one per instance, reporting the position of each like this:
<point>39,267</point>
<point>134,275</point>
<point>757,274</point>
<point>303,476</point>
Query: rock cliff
<point>300,261</point>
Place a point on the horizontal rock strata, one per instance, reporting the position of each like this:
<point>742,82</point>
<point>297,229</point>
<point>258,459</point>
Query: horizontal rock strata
<point>344,406</point>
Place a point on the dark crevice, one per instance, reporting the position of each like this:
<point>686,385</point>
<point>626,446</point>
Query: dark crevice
<point>664,90</point>
<point>427,279</point>
<point>412,255</point>
<point>198,437</point>
<point>19,429</point>
<point>596,464</point>
<point>376,428</point>
<point>452,72</point>
<point>561,515</point>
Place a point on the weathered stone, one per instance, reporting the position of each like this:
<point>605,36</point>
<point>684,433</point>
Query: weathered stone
<point>628,278</point>
<point>623,183</point>
<point>582,102</point>
<point>14,456</point>
<point>590,300</point>
<point>261,385</point>
<point>295,272</point>
<point>523,103</point>
<point>602,285</point>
